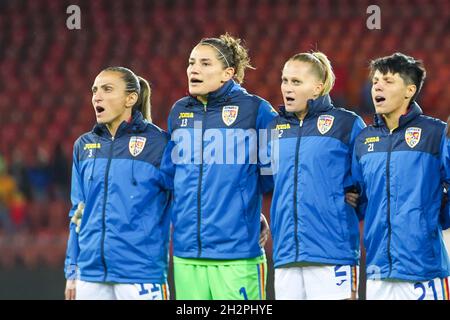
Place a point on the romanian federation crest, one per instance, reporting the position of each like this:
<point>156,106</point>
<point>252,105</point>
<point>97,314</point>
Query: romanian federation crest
<point>136,145</point>
<point>324,123</point>
<point>412,136</point>
<point>229,114</point>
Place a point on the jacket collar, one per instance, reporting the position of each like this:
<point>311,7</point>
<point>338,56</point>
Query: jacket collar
<point>136,124</point>
<point>413,112</point>
<point>225,93</point>
<point>315,106</point>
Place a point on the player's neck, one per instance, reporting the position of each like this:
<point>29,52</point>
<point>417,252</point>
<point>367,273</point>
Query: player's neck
<point>392,119</point>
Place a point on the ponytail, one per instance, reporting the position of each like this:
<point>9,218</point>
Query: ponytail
<point>232,54</point>
<point>321,66</point>
<point>139,85</point>
<point>327,73</point>
<point>143,104</point>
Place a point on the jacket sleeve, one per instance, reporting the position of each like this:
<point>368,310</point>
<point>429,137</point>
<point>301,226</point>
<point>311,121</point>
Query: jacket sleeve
<point>444,218</point>
<point>358,126</point>
<point>77,196</point>
<point>266,113</point>
<point>358,182</point>
<point>167,166</point>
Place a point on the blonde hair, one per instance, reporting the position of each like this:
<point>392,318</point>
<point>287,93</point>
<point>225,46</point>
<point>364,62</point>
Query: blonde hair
<point>321,67</point>
<point>232,54</point>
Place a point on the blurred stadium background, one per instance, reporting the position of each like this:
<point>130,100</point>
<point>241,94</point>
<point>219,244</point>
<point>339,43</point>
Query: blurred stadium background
<point>46,72</point>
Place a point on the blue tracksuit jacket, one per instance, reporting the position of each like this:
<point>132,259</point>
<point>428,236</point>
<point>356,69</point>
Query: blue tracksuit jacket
<point>401,176</point>
<point>310,220</point>
<point>215,164</point>
<point>124,232</point>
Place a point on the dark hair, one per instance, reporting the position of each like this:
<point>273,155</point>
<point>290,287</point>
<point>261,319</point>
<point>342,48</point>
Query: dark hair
<point>412,71</point>
<point>231,53</point>
<point>448,127</point>
<point>139,85</point>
